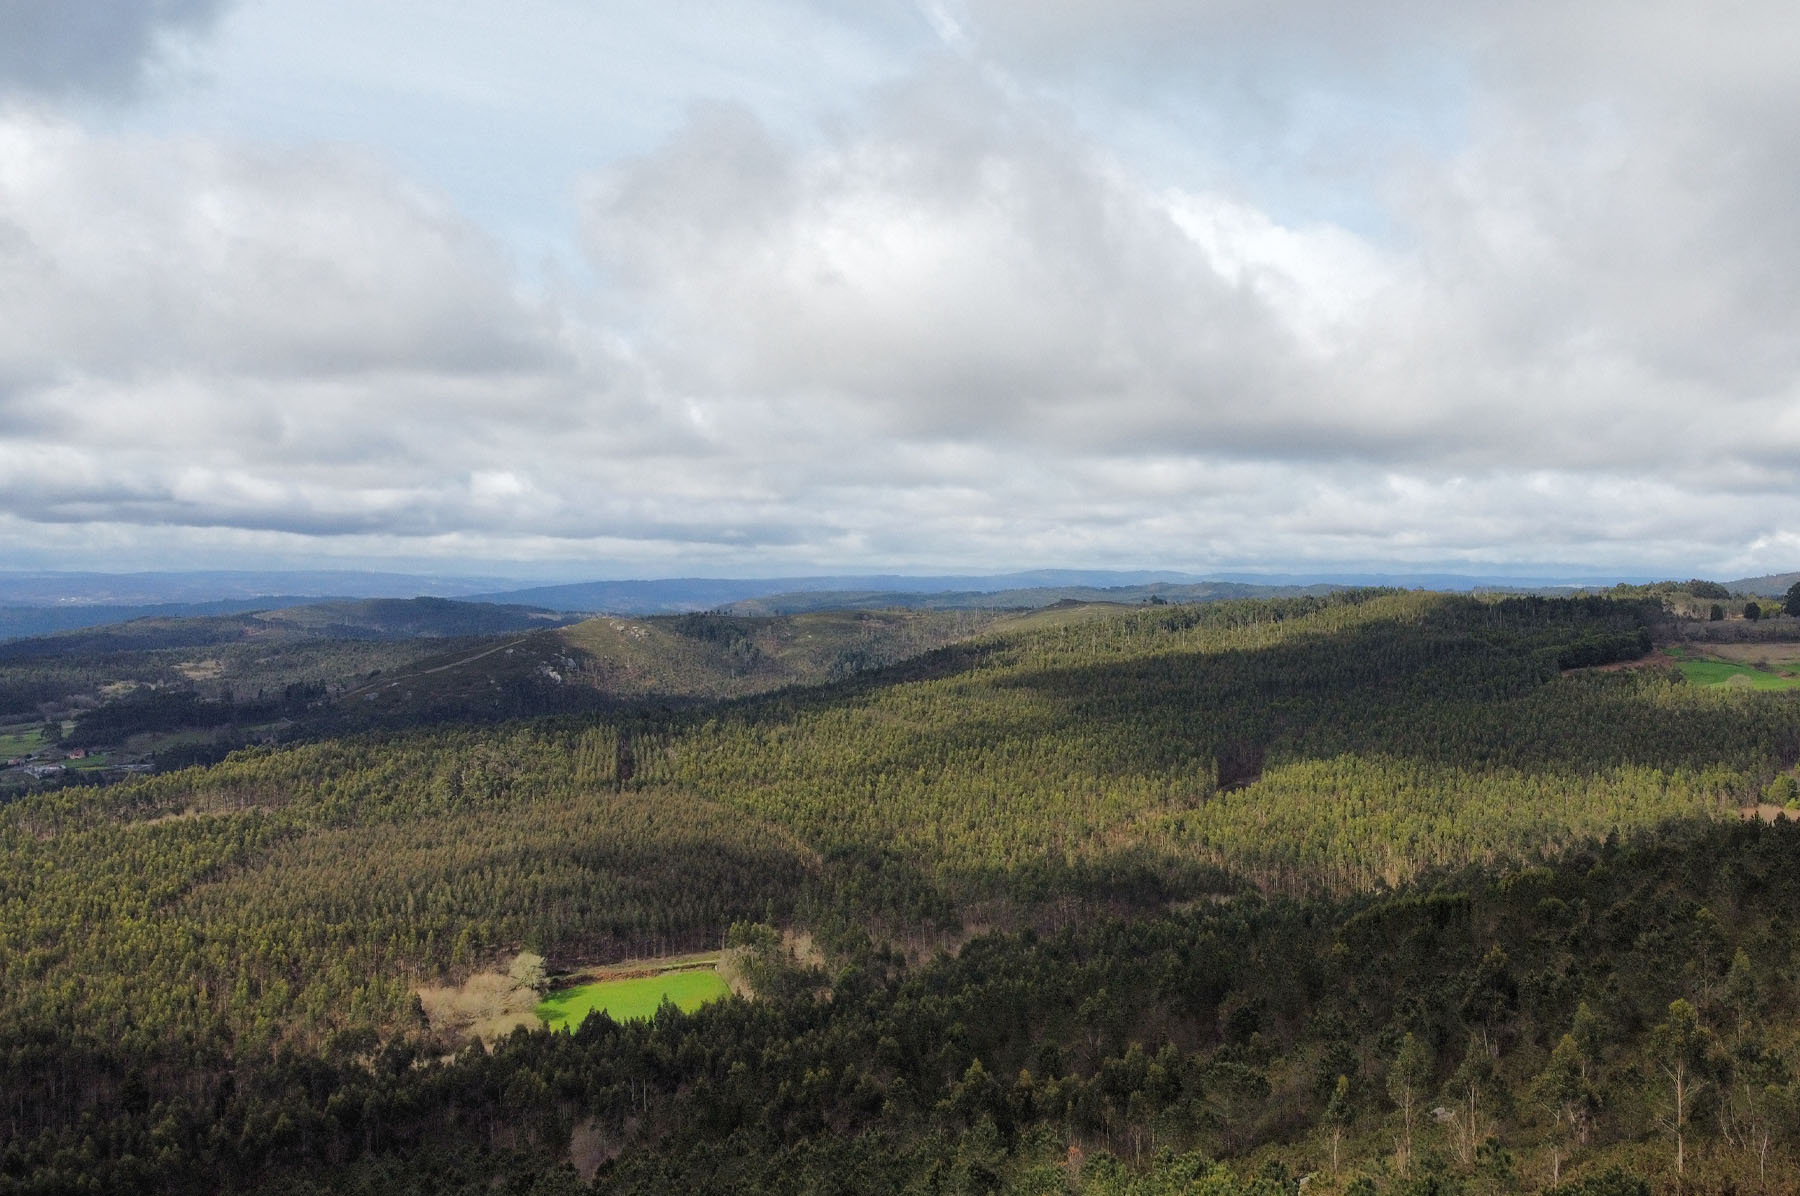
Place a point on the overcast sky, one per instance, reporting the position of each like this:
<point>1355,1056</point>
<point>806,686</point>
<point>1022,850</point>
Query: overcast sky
<point>594,288</point>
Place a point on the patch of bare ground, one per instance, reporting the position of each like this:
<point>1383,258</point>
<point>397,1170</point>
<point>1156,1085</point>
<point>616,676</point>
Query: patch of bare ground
<point>731,971</point>
<point>733,964</point>
<point>1766,812</point>
<point>631,969</point>
<point>589,1147</point>
<point>1774,657</point>
<point>800,945</point>
<point>488,1006</point>
<point>171,816</point>
<point>1654,660</point>
<point>201,670</point>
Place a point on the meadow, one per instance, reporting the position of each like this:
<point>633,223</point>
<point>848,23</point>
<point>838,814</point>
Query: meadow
<point>20,740</point>
<point>1706,671</point>
<point>634,999</point>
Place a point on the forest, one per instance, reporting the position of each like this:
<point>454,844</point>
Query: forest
<point>1387,891</point>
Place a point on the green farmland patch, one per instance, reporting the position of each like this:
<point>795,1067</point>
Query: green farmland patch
<point>20,740</point>
<point>628,1000</point>
<point>1719,672</point>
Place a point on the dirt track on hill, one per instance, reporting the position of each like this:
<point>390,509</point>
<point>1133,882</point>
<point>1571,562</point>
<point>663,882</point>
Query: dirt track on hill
<point>455,664</point>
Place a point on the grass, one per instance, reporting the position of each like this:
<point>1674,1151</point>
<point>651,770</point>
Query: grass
<point>633,999</point>
<point>20,741</point>
<point>1719,672</point>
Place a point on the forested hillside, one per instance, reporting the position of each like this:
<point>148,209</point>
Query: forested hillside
<point>613,662</point>
<point>1222,854</point>
<point>161,693</point>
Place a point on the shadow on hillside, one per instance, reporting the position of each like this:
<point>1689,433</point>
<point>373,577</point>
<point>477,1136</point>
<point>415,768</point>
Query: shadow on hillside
<point>1438,695</point>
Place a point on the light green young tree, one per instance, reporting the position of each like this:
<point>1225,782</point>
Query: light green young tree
<point>1338,1111</point>
<point>1759,1104</point>
<point>1684,1050</point>
<point>1472,1082</point>
<point>1407,1082</point>
<point>1590,1037</point>
<point>1562,1091</point>
<point>527,971</point>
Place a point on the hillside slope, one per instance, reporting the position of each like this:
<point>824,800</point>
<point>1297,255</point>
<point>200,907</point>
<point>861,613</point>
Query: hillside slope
<point>1772,585</point>
<point>611,660</point>
<point>235,945</point>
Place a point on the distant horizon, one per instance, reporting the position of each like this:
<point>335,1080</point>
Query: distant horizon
<point>1188,574</point>
<point>483,580</point>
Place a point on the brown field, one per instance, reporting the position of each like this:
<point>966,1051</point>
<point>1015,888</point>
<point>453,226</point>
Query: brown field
<point>631,969</point>
<point>1653,660</point>
<point>1764,811</point>
<point>488,1006</point>
<point>1783,657</point>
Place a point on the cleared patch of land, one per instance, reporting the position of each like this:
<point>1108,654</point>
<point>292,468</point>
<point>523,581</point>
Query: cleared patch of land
<point>488,1006</point>
<point>630,968</point>
<point>631,999</point>
<point>1782,657</point>
<point>1709,670</point>
<point>20,740</point>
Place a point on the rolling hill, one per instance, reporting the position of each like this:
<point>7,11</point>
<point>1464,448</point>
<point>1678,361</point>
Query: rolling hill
<point>1771,585</point>
<point>614,660</point>
<point>1087,899</point>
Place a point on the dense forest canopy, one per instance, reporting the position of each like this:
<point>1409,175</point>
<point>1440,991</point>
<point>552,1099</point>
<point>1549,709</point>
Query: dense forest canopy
<point>1195,864</point>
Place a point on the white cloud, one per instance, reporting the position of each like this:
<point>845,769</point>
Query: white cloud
<point>125,255</point>
<point>965,321</point>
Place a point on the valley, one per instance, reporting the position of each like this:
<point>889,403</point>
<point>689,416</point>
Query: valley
<point>994,890</point>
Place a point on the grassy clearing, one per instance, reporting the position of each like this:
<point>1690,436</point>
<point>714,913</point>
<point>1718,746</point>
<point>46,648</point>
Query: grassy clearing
<point>20,741</point>
<point>1719,672</point>
<point>626,1000</point>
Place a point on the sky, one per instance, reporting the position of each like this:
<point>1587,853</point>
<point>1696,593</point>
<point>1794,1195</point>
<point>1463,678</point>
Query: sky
<point>584,288</point>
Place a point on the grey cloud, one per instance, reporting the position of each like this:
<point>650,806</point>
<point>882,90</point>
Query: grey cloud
<point>954,329</point>
<point>123,257</point>
<point>108,48</point>
<point>964,268</point>
<point>1618,184</point>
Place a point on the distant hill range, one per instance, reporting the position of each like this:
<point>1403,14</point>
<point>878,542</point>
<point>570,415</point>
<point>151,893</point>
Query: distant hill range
<point>1014,599</point>
<point>208,586</point>
<point>1773,585</point>
<point>685,595</point>
<point>341,619</point>
<point>43,603</point>
<point>19,621</point>
<point>997,591</point>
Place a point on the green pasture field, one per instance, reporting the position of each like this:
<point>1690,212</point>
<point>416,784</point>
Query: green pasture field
<point>20,740</point>
<point>1719,672</point>
<point>633,999</point>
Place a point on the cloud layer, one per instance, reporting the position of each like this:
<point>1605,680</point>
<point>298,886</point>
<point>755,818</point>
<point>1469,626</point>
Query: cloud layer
<point>1151,284</point>
<point>100,47</point>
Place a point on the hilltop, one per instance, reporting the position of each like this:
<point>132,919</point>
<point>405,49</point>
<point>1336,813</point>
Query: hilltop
<point>614,660</point>
<point>1770,585</point>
